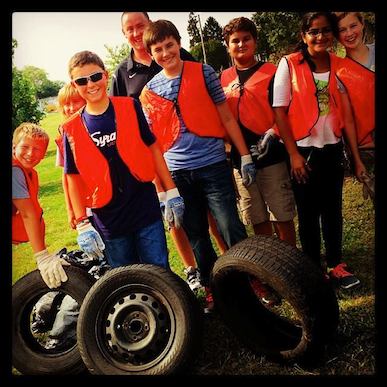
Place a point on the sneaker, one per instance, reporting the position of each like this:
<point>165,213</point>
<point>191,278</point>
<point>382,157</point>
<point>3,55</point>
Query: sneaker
<point>265,293</point>
<point>342,276</point>
<point>193,278</point>
<point>209,301</point>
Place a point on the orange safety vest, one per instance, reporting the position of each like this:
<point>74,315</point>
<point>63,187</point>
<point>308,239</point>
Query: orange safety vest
<point>303,110</point>
<point>360,84</point>
<point>194,103</point>
<point>251,107</point>
<point>93,166</point>
<point>19,233</point>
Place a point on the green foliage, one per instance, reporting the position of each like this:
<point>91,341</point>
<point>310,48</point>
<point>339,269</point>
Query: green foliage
<point>43,86</point>
<point>193,30</point>
<point>212,30</point>
<point>278,33</point>
<point>114,57</point>
<point>25,105</point>
<point>216,53</point>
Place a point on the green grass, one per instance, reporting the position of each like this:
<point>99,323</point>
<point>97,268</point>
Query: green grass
<point>353,352</point>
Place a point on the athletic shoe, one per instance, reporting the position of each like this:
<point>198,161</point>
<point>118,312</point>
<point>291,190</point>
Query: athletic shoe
<point>193,278</point>
<point>343,277</point>
<point>209,301</point>
<point>265,293</point>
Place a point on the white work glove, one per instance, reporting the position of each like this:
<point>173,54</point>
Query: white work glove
<point>162,199</point>
<point>50,267</point>
<point>89,240</point>
<point>248,170</point>
<point>174,208</point>
<point>263,144</point>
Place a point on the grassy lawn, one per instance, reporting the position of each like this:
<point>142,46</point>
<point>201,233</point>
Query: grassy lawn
<point>352,354</point>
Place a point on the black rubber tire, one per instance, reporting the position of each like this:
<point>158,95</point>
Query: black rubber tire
<point>296,279</point>
<point>28,356</point>
<point>139,320</point>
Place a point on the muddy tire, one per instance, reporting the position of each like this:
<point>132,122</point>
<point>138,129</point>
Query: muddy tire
<point>29,356</point>
<point>314,312</point>
<point>139,320</point>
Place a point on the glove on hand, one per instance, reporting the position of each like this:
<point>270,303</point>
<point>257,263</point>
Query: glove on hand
<point>90,241</point>
<point>174,208</point>
<point>50,267</point>
<point>263,144</point>
<point>162,199</point>
<point>248,170</point>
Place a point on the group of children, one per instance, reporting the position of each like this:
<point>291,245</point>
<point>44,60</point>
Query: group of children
<point>158,141</point>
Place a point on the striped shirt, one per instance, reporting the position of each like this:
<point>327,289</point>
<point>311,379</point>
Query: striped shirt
<point>189,150</point>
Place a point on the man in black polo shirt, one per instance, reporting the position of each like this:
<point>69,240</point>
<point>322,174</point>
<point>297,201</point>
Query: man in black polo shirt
<point>138,68</point>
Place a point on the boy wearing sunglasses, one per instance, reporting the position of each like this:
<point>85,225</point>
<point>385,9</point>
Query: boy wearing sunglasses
<point>111,155</point>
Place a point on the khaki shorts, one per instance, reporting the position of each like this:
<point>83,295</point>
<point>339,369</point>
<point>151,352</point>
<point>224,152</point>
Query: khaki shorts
<point>269,198</point>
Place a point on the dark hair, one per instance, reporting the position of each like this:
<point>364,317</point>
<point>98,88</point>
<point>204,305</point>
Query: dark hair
<point>83,58</point>
<point>306,22</point>
<point>239,24</point>
<point>158,31</point>
<point>125,12</point>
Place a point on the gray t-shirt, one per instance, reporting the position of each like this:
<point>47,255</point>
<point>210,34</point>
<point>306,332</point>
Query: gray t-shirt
<point>19,184</point>
<point>371,57</point>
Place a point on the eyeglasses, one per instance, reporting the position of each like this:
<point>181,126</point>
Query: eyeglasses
<point>95,77</point>
<point>315,32</point>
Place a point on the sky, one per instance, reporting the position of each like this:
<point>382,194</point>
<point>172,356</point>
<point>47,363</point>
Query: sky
<point>48,40</point>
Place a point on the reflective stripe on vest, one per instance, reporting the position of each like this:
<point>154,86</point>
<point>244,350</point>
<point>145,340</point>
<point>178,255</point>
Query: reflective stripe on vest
<point>303,112</point>
<point>93,166</point>
<point>360,84</point>
<point>19,233</point>
<point>251,107</point>
<point>196,107</point>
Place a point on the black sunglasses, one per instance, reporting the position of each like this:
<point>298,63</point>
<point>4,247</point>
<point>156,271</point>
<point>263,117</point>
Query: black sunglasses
<point>95,77</point>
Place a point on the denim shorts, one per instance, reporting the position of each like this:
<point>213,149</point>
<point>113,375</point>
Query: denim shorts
<point>146,245</point>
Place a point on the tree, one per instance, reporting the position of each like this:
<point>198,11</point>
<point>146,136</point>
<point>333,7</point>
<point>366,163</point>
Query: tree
<point>216,53</point>
<point>115,56</point>
<point>212,30</point>
<point>25,106</point>
<point>193,30</point>
<point>43,86</point>
<point>278,33</point>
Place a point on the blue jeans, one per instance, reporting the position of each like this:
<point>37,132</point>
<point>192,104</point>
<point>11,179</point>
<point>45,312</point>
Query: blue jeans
<point>212,188</point>
<point>146,245</point>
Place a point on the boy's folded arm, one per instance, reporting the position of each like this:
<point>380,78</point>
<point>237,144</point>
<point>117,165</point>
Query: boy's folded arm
<point>32,223</point>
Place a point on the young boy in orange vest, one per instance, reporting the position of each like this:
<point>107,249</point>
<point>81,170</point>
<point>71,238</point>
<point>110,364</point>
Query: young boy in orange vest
<point>186,109</point>
<point>269,201</point>
<point>110,150</point>
<point>29,146</point>
<point>129,78</point>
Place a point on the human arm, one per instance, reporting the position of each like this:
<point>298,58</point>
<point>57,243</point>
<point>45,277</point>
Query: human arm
<point>70,212</point>
<point>50,266</point>
<point>174,203</point>
<point>350,135</point>
<point>298,166</point>
<point>281,100</point>
<point>235,135</point>
<point>89,240</point>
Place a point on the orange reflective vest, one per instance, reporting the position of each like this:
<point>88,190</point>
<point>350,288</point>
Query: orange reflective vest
<point>93,166</point>
<point>194,104</point>
<point>360,84</point>
<point>19,233</point>
<point>303,110</point>
<point>250,106</point>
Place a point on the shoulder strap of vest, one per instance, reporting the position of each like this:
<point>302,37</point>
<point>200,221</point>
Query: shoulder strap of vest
<point>228,76</point>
